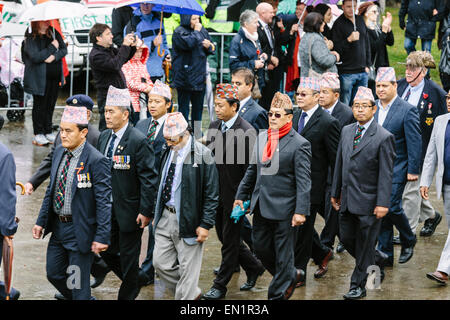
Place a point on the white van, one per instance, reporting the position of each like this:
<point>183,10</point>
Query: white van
<point>75,29</point>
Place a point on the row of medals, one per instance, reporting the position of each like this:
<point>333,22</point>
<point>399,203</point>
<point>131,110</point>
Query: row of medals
<point>121,162</point>
<point>84,180</point>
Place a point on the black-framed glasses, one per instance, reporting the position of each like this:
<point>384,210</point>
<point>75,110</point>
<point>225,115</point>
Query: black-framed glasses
<point>278,115</point>
<point>361,106</point>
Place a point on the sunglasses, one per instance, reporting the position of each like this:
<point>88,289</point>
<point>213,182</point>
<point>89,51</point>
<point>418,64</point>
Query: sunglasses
<point>447,97</point>
<point>361,106</point>
<point>279,115</point>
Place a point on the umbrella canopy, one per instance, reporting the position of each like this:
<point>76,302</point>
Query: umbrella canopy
<point>236,7</point>
<point>7,255</point>
<point>170,6</point>
<point>53,10</point>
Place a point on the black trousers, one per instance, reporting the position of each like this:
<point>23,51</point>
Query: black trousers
<point>331,216</point>
<point>234,251</point>
<point>122,257</point>
<point>273,241</point>
<point>271,86</point>
<point>101,101</point>
<point>43,107</point>
<point>359,235</point>
<point>303,244</point>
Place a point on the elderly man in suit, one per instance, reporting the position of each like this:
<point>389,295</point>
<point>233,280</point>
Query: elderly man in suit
<point>133,189</point>
<point>249,109</point>
<point>278,182</point>
<point>402,120</point>
<point>159,102</point>
<point>99,268</point>
<point>329,101</point>
<point>76,208</point>
<point>8,222</point>
<point>438,155</point>
<point>429,98</point>
<point>185,210</point>
<point>362,186</point>
<point>231,139</point>
<point>322,131</point>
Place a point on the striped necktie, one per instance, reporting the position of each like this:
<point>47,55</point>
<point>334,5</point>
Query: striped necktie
<point>61,189</point>
<point>151,131</point>
<point>358,136</point>
<point>408,94</point>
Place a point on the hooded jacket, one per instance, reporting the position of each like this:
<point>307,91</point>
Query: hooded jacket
<point>189,56</point>
<point>136,74</point>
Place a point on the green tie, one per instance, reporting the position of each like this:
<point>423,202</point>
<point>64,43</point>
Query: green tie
<point>152,131</point>
<point>358,136</point>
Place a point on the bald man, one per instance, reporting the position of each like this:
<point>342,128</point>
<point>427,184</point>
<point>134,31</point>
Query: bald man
<point>269,35</point>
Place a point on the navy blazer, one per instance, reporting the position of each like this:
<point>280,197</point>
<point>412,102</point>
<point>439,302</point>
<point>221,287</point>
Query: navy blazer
<point>254,114</point>
<point>158,144</point>
<point>402,121</point>
<point>91,207</point>
<point>435,100</point>
<point>8,225</point>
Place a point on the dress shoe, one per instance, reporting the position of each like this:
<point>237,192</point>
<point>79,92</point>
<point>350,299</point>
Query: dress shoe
<point>438,276</point>
<point>251,281</point>
<point>288,293</point>
<point>214,294</point>
<point>355,294</point>
<point>216,270</point>
<point>323,267</point>
<point>14,294</point>
<point>59,296</point>
<point>97,281</point>
<point>302,280</point>
<point>144,279</point>
<point>340,247</point>
<point>406,254</point>
<point>396,240</point>
<point>430,225</point>
<point>382,259</point>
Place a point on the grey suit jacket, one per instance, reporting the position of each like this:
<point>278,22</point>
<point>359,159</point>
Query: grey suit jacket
<point>282,186</point>
<point>435,155</point>
<point>363,176</point>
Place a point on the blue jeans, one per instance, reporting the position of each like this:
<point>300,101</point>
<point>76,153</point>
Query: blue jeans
<point>350,82</point>
<point>410,45</point>
<point>395,217</point>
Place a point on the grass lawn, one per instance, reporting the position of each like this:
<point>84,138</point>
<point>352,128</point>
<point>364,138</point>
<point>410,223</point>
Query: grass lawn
<point>397,53</point>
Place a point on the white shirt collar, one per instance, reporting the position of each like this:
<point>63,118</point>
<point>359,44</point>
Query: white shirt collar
<point>231,122</point>
<point>367,124</point>
<point>243,102</point>
<point>330,109</point>
<point>419,87</point>
<point>162,119</point>
<point>388,105</point>
<point>311,111</point>
<point>121,132</point>
<point>263,24</point>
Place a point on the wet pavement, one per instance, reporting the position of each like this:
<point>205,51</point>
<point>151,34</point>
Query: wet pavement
<point>403,281</point>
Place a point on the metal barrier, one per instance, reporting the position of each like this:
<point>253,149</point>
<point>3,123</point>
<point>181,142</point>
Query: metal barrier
<point>71,51</point>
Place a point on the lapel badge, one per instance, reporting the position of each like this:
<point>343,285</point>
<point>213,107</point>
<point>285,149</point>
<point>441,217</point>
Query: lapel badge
<point>195,165</point>
<point>429,121</point>
<point>421,105</point>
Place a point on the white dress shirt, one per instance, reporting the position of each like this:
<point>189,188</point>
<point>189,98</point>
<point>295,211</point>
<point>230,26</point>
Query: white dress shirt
<point>366,127</point>
<point>382,113</point>
<point>119,134</point>
<point>309,113</point>
<point>416,92</point>
<point>330,110</point>
<point>160,123</point>
<point>243,102</point>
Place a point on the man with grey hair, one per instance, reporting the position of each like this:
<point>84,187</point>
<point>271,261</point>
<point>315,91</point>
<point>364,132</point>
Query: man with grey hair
<point>133,188</point>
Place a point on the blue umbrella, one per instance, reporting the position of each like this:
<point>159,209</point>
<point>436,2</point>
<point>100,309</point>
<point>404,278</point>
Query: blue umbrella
<point>170,6</point>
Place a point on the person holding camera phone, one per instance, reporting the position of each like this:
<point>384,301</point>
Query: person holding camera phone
<point>106,63</point>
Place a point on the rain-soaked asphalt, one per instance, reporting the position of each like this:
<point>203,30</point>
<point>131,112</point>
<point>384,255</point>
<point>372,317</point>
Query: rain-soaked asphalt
<point>406,281</point>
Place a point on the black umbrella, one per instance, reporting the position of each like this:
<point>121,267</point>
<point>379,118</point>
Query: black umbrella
<point>236,7</point>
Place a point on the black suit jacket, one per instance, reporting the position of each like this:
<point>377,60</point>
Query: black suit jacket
<point>432,98</point>
<point>264,41</point>
<point>158,144</point>
<point>363,176</point>
<point>343,114</point>
<point>323,132</point>
<point>43,172</point>
<point>134,189</point>
<point>91,207</point>
<point>235,145</point>
<point>254,114</point>
<point>282,186</point>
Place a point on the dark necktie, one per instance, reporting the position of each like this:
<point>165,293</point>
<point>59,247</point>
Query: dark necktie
<point>167,191</point>
<point>358,136</point>
<point>301,122</point>
<point>111,146</point>
<point>269,35</point>
<point>152,131</point>
<point>224,127</point>
<point>61,188</point>
<point>408,94</point>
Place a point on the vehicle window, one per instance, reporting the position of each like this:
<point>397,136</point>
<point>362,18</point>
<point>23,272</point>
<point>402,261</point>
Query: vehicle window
<point>16,1</point>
